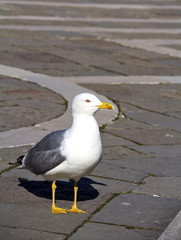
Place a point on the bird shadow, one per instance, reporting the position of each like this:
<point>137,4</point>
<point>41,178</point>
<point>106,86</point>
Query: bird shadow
<point>64,189</point>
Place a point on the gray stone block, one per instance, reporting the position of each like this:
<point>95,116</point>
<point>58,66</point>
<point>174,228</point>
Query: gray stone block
<point>33,217</point>
<point>110,140</point>
<point>106,185</point>
<point>99,231</point>
<point>13,233</point>
<point>157,135</point>
<point>162,151</point>
<point>139,211</point>
<point>8,155</point>
<point>22,173</point>
<point>115,172</point>
<point>154,166</point>
<point>168,187</point>
<point>156,119</point>
<point>118,152</point>
<point>28,103</point>
<point>38,193</point>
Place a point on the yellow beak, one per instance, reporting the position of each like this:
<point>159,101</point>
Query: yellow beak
<point>106,106</point>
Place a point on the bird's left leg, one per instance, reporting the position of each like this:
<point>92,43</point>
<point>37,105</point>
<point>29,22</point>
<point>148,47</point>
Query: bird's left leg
<point>74,207</point>
<point>55,209</point>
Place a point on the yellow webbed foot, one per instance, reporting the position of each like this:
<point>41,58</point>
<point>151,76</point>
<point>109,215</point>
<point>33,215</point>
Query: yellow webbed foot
<point>74,207</point>
<point>76,210</point>
<point>56,210</point>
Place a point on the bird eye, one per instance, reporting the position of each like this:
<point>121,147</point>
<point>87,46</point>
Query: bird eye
<point>87,101</point>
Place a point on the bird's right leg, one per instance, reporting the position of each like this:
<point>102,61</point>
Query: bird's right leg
<point>55,209</point>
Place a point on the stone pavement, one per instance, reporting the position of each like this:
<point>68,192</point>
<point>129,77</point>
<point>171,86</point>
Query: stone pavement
<point>127,52</point>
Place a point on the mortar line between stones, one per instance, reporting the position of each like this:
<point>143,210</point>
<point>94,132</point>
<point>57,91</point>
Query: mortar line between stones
<point>52,54</point>
<point>126,226</point>
<point>91,215</point>
<point>98,209</point>
<point>121,180</point>
<point>148,174</point>
<point>108,70</point>
<point>149,110</point>
<point>34,229</point>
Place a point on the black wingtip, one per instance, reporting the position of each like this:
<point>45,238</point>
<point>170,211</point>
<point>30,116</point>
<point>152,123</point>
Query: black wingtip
<point>20,160</point>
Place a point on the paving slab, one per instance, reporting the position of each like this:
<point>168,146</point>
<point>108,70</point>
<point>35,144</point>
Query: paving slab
<point>155,213</point>
<point>157,119</point>
<point>109,138</point>
<point>9,155</point>
<point>101,184</point>
<point>78,55</point>
<point>137,131</point>
<point>38,218</point>
<point>97,43</point>
<point>163,167</point>
<point>105,231</point>
<point>159,98</point>
<point>16,233</point>
<point>157,135</point>
<point>129,108</point>
<point>113,186</point>
<point>27,204</point>
<point>115,172</point>
<point>38,193</point>
<point>29,100</point>
<point>165,151</point>
<point>167,187</point>
<point>113,153</point>
<point>24,201</point>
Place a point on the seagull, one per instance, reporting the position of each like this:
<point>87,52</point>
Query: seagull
<point>71,153</point>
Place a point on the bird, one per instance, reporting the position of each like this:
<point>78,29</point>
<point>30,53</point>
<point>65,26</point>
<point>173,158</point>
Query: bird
<point>70,153</point>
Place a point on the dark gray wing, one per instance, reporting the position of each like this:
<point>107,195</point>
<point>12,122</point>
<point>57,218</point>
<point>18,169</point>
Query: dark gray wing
<point>45,155</point>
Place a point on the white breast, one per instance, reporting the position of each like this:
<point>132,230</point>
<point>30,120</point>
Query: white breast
<point>82,148</point>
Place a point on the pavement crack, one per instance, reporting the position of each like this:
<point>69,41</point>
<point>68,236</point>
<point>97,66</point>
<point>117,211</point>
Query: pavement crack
<point>148,110</point>
<point>91,215</point>
<point>117,179</point>
<point>135,150</point>
<point>7,169</point>
<point>108,70</point>
<point>127,226</point>
<point>104,130</point>
<point>34,229</point>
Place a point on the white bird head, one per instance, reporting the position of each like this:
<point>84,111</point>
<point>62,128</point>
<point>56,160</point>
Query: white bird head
<point>88,104</point>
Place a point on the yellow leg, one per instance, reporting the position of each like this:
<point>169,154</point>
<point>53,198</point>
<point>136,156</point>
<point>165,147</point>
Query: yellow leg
<point>74,207</point>
<point>56,210</point>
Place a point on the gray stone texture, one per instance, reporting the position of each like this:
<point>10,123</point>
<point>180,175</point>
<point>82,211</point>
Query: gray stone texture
<point>173,230</point>
<point>9,155</point>
<point>99,231</point>
<point>23,104</point>
<point>129,210</point>
<point>33,234</point>
<point>134,193</point>
<point>156,186</point>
